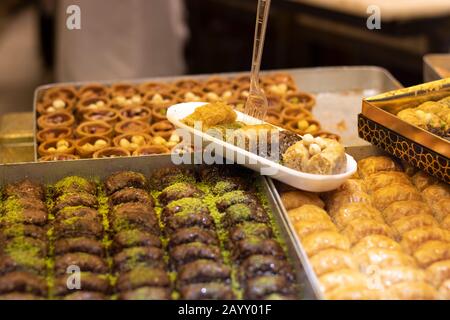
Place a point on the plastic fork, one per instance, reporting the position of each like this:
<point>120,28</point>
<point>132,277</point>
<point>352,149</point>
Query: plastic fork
<point>256,104</point>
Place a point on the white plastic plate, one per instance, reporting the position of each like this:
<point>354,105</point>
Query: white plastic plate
<point>297,179</point>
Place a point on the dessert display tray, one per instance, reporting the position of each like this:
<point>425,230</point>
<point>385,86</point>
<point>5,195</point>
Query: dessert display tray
<point>338,92</point>
<point>436,66</point>
<point>379,125</point>
<point>51,172</point>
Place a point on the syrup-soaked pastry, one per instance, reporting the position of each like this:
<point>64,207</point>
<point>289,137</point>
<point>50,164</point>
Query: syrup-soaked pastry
<point>297,198</point>
<point>383,179</point>
<point>134,215</point>
<point>18,245</point>
<point>188,252</point>
<point>413,239</point>
<point>207,291</point>
<point>418,290</point>
<point>178,191</point>
<point>86,262</point>
<point>421,180</point>
<point>183,219</point>
<point>254,245</point>
<point>23,282</point>
<point>351,211</point>
<point>126,195</point>
<point>168,176</point>
<point>438,272</point>
<point>401,209</point>
<point>74,185</point>
<point>445,224</point>
<point>375,241</point>
<point>78,227</point>
<point>19,296</point>
<point>339,199</point>
<point>15,204</point>
<point>235,197</point>
<point>444,290</point>
<point>89,282</point>
<point>383,258</point>
<point>383,197</point>
<point>75,200</point>
<point>78,212</point>
<point>258,287</point>
<point>249,229</point>
<point>25,230</point>
<point>185,206</point>
<point>360,228</point>
<point>319,241</point>
<point>201,271</point>
<point>332,260</point>
<point>397,274</point>
<point>341,278</point>
<point>374,164</point>
<point>134,238</point>
<point>130,258</point>
<point>354,292</point>
<point>142,277</point>
<point>26,260</point>
<point>308,212</point>
<point>25,189</point>
<point>25,216</point>
<point>193,234</point>
<point>124,179</point>
<point>80,244</point>
<point>441,209</point>
<point>240,212</point>
<point>85,296</point>
<point>146,293</point>
<point>259,265</point>
<point>305,228</point>
<point>408,223</point>
<point>228,184</point>
<point>432,251</point>
<point>436,192</point>
<point>353,185</point>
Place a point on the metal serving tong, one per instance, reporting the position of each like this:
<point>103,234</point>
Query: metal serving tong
<point>256,104</point>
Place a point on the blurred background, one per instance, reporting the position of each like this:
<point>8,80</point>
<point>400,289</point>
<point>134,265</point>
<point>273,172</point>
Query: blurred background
<point>123,39</point>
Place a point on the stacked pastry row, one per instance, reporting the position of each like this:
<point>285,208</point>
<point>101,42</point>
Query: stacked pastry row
<point>24,244</point>
<point>137,252</point>
<point>384,234</point>
<point>259,261</point>
<point>130,119</point>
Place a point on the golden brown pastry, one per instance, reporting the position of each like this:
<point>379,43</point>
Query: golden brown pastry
<point>385,178</point>
<point>374,164</point>
<point>338,199</point>
<point>319,241</point>
<point>422,180</point>
<point>438,272</point>
<point>305,228</point>
<point>407,223</point>
<point>355,292</point>
<point>341,278</point>
<point>296,199</point>
<point>413,239</point>
<point>436,192</point>
<point>383,197</point>
<point>441,209</point>
<point>308,212</point>
<point>444,290</point>
<point>373,242</point>
<point>431,252</point>
<point>445,224</point>
<point>376,258</point>
<point>360,228</point>
<point>355,210</point>
<point>393,275</point>
<point>402,209</point>
<point>418,290</point>
<point>332,260</point>
<point>353,185</point>
<point>211,114</point>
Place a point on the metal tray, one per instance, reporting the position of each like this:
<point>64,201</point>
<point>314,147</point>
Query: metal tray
<point>338,91</point>
<point>436,66</point>
<point>51,172</point>
<point>358,153</point>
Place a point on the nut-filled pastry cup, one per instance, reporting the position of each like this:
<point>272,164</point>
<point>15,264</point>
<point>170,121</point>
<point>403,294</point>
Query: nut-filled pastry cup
<point>139,113</point>
<point>91,128</point>
<point>299,100</point>
<point>66,93</point>
<point>92,104</point>
<point>132,126</point>
<point>156,87</point>
<point>107,115</point>
<point>151,149</point>
<point>56,146</point>
<point>52,106</point>
<point>56,120</point>
<point>188,84</point>
<point>86,146</point>
<point>54,133</point>
<point>162,129</point>
<point>111,152</point>
<point>93,90</point>
<point>132,141</point>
